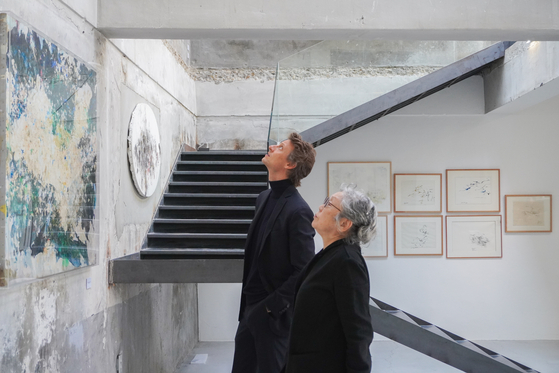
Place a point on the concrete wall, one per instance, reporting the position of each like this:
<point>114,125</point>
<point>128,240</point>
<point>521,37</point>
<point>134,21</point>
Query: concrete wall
<point>328,20</point>
<point>57,324</point>
<point>513,298</point>
<point>235,95</point>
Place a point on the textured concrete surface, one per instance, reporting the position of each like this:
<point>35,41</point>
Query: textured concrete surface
<point>327,20</point>
<point>57,324</point>
<point>537,63</point>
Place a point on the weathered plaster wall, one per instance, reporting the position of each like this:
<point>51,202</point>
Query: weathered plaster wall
<point>57,324</point>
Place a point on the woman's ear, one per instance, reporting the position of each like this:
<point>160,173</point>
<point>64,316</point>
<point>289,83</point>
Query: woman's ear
<point>345,225</point>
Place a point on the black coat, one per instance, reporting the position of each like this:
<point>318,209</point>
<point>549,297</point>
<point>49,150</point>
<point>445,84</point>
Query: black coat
<point>286,247</point>
<point>332,330</point>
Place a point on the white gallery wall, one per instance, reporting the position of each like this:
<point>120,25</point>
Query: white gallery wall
<point>512,298</point>
<point>515,297</point>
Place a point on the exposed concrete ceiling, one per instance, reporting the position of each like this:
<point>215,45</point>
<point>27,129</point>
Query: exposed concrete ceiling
<point>330,19</point>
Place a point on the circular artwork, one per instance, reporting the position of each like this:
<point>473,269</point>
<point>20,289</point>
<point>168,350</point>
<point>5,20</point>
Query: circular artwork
<point>144,150</point>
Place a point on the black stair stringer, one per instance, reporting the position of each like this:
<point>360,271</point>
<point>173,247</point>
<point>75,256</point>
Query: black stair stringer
<point>438,343</point>
<point>405,95</point>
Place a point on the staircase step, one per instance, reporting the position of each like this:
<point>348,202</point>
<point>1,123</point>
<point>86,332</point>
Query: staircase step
<point>216,187</point>
<point>209,199</point>
<point>192,253</point>
<point>196,240</point>
<point>220,166</point>
<point>224,155</point>
<point>201,225</point>
<point>206,212</point>
<point>221,176</point>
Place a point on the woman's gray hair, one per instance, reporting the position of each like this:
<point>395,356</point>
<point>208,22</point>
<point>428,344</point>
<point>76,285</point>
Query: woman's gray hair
<point>361,211</point>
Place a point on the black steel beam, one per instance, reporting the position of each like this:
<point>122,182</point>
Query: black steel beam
<point>131,269</point>
<point>404,95</point>
<point>438,343</point>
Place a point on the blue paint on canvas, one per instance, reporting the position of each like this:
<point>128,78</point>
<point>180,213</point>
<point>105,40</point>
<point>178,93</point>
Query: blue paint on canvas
<point>51,141</point>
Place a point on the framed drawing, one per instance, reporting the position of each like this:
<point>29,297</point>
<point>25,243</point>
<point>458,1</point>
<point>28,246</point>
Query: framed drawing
<point>418,192</point>
<point>371,177</point>
<point>473,236</point>
<point>473,191</point>
<point>528,213</point>
<point>378,247</point>
<point>418,235</point>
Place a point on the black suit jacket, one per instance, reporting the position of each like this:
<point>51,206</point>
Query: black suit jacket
<point>332,330</point>
<point>286,247</point>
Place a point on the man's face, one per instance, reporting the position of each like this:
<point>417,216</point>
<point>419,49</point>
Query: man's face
<point>276,158</point>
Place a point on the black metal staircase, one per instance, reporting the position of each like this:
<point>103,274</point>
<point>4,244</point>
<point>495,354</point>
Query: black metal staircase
<point>208,206</point>
<point>202,221</point>
<point>438,343</point>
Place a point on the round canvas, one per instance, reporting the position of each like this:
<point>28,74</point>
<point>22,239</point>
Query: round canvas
<point>144,150</point>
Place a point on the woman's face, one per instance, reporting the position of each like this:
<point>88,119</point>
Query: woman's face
<point>324,220</point>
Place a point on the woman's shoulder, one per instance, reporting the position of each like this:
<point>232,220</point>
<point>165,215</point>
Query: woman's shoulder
<point>349,252</point>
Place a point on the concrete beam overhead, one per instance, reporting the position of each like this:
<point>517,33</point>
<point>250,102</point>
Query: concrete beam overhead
<point>538,65</point>
<point>330,19</point>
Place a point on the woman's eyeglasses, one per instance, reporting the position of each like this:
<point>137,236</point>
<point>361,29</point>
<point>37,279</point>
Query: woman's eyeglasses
<point>327,203</point>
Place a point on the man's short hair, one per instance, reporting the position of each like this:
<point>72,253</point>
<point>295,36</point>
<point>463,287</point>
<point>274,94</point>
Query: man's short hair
<point>303,155</point>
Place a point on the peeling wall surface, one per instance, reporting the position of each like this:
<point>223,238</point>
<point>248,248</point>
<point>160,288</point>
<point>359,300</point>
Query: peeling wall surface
<point>73,321</point>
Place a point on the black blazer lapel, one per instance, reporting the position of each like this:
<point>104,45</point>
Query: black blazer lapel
<point>257,214</point>
<point>277,209</point>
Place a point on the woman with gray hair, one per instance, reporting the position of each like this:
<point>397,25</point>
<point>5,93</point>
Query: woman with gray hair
<point>331,329</point>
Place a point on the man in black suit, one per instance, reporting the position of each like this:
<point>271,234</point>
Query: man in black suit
<point>279,244</point>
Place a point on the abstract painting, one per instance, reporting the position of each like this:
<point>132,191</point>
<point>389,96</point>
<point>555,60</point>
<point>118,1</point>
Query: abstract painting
<point>144,150</point>
<point>473,236</point>
<point>528,213</point>
<point>418,235</point>
<point>473,191</point>
<point>417,192</point>
<point>49,156</point>
<point>373,178</point>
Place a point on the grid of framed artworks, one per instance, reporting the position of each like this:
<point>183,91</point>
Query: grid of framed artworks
<point>472,225</point>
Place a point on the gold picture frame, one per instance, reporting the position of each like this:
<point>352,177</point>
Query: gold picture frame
<point>418,193</point>
<point>528,213</point>
<point>373,178</point>
<point>473,236</point>
<point>473,190</point>
<point>418,235</point>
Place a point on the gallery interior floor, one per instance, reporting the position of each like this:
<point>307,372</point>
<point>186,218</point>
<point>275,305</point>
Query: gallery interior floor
<point>391,357</point>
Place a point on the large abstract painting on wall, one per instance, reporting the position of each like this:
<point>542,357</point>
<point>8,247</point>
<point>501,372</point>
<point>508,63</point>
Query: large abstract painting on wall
<point>49,157</point>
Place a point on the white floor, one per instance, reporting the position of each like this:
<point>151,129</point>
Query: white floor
<point>391,357</point>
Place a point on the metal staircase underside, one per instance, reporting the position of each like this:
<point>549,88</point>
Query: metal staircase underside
<point>438,343</point>
<point>405,95</point>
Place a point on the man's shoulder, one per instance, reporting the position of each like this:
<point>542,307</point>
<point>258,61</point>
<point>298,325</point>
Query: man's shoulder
<point>297,200</point>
